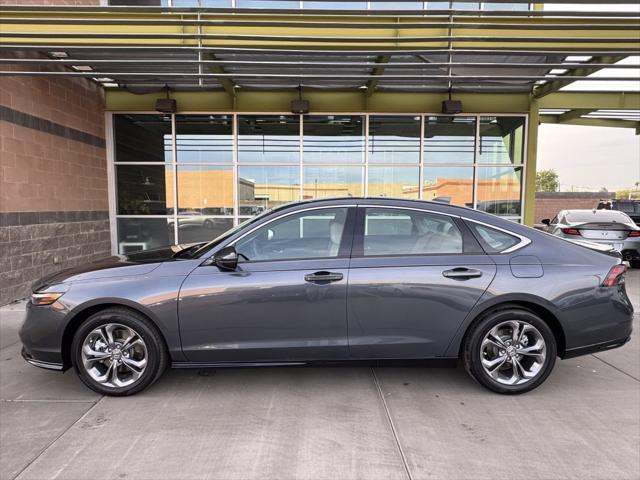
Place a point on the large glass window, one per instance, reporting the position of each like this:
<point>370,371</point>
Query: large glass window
<point>409,232</point>
<point>204,138</point>
<point>264,187</point>
<point>449,140</point>
<point>269,139</point>
<point>501,140</point>
<point>499,190</point>
<point>394,139</point>
<point>229,167</point>
<point>326,182</point>
<point>392,181</point>
<point>333,139</point>
<point>449,185</point>
<point>205,189</point>
<point>310,234</point>
<point>196,227</point>
<point>142,138</point>
<point>143,189</point>
<point>143,234</point>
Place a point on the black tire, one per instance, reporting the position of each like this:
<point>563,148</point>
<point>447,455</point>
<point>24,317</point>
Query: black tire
<point>472,353</point>
<point>156,351</point>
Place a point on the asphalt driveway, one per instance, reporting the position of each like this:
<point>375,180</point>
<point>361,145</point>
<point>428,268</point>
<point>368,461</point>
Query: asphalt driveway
<point>316,423</point>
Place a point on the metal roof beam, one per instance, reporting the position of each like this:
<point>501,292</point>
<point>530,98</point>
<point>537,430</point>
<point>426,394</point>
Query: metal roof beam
<point>573,114</point>
<point>592,100</point>
<point>593,122</point>
<point>220,75</point>
<point>555,85</point>
<point>377,71</point>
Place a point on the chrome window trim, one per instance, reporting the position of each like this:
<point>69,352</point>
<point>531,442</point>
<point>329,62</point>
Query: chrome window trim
<point>410,208</point>
<point>524,241</point>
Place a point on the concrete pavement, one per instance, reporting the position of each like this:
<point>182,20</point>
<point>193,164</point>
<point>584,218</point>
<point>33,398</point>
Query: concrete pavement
<point>316,423</point>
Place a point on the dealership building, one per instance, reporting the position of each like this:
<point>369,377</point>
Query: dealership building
<point>128,125</point>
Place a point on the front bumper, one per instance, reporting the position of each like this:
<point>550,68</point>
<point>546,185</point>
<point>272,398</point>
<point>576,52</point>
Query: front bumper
<point>40,363</point>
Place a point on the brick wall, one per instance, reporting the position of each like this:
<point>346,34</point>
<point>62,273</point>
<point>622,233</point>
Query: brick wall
<point>548,204</point>
<point>53,178</point>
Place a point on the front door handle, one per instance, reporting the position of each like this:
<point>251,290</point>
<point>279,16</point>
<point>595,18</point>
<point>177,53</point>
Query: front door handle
<point>323,277</point>
<point>462,273</point>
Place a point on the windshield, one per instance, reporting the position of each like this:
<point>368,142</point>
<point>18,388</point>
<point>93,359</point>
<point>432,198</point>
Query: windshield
<point>597,216</point>
<point>216,241</point>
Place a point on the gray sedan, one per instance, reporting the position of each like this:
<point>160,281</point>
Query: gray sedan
<point>605,227</point>
<point>336,281</point>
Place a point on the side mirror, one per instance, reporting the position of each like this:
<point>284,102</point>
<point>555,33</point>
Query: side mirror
<point>546,221</point>
<point>226,259</point>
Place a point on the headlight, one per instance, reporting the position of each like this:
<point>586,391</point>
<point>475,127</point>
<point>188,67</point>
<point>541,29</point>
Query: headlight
<point>47,298</point>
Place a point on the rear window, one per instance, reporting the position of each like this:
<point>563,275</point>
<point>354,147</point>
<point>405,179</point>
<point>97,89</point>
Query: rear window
<point>598,216</point>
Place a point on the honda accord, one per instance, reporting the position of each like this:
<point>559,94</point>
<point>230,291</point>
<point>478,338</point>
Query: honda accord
<point>324,281</point>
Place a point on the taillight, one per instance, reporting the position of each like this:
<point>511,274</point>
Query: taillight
<point>615,276</point>
<point>571,231</point>
<point>634,233</point>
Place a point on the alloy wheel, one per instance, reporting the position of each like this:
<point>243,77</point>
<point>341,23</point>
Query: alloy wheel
<point>513,352</point>
<point>114,355</point>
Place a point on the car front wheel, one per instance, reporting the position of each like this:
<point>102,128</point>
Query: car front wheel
<point>510,351</point>
<point>118,352</point>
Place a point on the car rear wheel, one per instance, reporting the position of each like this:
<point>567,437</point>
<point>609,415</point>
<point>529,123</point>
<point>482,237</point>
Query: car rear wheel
<point>510,351</point>
<point>118,352</point>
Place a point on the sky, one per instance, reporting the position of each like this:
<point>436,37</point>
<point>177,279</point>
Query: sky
<point>593,157</point>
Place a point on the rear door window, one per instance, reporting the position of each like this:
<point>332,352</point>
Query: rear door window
<point>390,231</point>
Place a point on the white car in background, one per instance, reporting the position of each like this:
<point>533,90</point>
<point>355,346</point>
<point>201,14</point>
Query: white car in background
<point>606,227</point>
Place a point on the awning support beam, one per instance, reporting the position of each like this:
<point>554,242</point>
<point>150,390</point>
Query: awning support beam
<point>555,85</point>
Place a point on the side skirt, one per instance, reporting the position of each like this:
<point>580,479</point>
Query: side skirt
<point>441,362</point>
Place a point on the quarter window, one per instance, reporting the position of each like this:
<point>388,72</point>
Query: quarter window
<point>310,234</point>
<point>492,240</point>
<point>408,232</point>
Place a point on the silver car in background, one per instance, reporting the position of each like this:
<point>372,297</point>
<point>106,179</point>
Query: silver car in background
<point>606,227</point>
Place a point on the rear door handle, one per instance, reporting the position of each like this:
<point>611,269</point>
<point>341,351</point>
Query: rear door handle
<point>462,273</point>
<point>323,277</point>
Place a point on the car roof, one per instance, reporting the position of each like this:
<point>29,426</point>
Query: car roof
<point>382,200</point>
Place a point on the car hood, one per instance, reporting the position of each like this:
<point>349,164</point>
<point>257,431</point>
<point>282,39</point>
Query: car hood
<point>138,263</point>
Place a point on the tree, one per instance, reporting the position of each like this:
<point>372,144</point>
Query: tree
<point>547,181</point>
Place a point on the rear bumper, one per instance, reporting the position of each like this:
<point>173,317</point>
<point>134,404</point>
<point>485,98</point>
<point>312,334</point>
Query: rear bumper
<point>598,347</point>
<point>40,363</point>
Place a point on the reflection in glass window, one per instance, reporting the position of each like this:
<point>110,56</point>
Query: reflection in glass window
<point>261,188</point>
<point>394,139</point>
<point>199,228</point>
<point>323,182</point>
<point>333,139</point>
<point>511,7</point>
<point>265,4</point>
<point>142,138</point>
<point>143,189</point>
<point>310,234</point>
<point>452,185</point>
<point>396,5</point>
<point>334,5</point>
<point>499,190</point>
<point>136,234</point>
<point>501,140</point>
<point>205,190</point>
<point>409,232</point>
<point>393,182</point>
<point>204,138</point>
<point>449,139</point>
<point>202,3</point>
<point>269,139</point>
